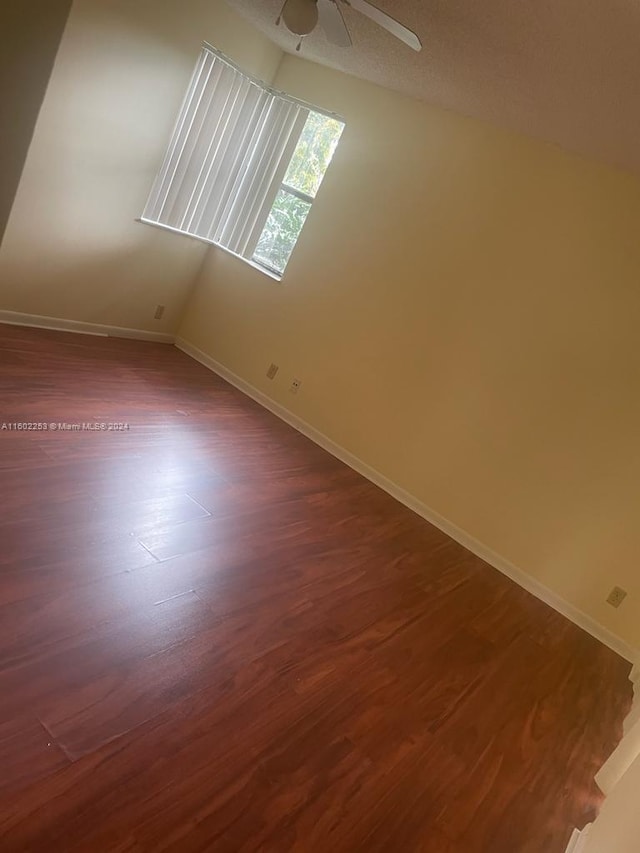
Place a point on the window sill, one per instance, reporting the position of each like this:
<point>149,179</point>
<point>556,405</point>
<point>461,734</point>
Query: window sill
<point>264,270</point>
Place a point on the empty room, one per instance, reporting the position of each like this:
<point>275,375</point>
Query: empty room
<point>319,434</point>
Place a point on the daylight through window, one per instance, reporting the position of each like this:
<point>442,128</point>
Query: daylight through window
<point>243,165</point>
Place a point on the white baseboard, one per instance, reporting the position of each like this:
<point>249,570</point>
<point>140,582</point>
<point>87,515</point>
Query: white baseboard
<point>39,321</point>
<point>578,840</point>
<point>469,542</point>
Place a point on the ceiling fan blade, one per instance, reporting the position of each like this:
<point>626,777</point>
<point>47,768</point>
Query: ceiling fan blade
<point>333,23</point>
<point>394,27</point>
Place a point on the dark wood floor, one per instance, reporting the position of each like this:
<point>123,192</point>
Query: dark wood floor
<point>216,637</point>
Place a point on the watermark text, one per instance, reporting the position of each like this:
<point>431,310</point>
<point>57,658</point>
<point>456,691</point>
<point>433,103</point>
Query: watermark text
<point>63,426</point>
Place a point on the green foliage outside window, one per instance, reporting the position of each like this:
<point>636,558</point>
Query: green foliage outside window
<point>313,153</point>
<point>311,157</point>
<point>281,230</point>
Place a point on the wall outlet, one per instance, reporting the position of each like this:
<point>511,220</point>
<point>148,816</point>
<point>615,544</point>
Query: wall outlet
<point>295,386</point>
<point>616,596</point>
<point>272,370</point>
<point>159,312</point>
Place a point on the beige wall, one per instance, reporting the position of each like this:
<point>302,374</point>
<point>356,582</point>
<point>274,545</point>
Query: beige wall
<point>617,828</point>
<point>72,248</point>
<point>30,35</point>
<point>463,310</point>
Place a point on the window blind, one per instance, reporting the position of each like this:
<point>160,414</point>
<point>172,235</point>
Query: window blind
<point>228,153</point>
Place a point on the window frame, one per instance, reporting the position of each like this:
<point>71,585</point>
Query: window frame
<point>277,186</point>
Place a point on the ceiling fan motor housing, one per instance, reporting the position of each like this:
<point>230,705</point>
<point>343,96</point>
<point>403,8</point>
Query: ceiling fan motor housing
<point>300,16</point>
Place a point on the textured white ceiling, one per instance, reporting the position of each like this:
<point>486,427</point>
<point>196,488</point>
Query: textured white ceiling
<point>567,71</point>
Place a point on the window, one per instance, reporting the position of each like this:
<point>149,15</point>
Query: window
<point>243,165</point>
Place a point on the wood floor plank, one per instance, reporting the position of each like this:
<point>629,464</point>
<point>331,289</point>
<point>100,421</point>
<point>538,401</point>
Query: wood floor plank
<point>27,753</point>
<point>216,636</point>
<point>66,674</point>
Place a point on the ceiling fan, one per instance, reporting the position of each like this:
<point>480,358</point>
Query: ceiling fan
<point>302,16</point>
